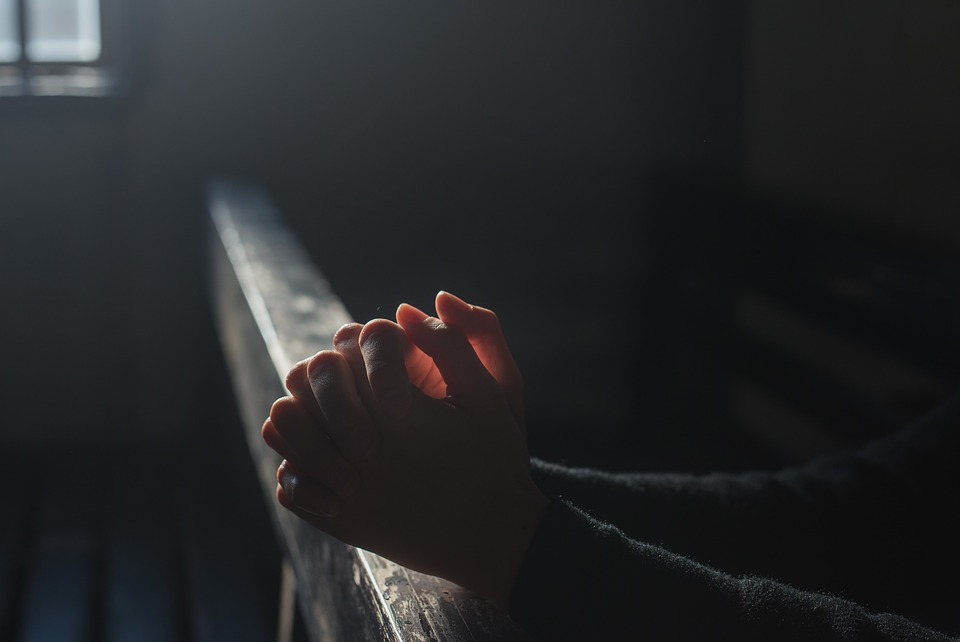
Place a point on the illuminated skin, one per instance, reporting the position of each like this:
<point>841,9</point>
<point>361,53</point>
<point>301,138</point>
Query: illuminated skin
<point>408,440</point>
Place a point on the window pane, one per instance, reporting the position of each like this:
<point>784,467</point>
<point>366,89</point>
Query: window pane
<point>9,42</point>
<point>63,30</point>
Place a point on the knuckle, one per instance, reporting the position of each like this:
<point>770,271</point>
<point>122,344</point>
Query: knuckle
<point>321,364</point>
<point>377,330</point>
<point>282,498</point>
<point>266,430</point>
<point>347,334</point>
<point>284,409</point>
<point>297,375</point>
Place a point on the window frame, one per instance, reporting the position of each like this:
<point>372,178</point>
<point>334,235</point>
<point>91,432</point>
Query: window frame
<point>103,77</point>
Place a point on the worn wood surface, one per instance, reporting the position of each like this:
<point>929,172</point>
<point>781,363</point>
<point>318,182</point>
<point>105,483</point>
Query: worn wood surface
<point>273,307</point>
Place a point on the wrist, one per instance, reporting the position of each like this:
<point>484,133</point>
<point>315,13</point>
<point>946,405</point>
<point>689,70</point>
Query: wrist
<point>495,578</point>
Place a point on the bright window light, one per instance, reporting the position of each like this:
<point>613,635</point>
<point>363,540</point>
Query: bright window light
<point>62,30</point>
<point>9,40</point>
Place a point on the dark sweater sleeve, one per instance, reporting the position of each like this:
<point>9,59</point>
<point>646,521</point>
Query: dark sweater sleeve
<point>585,580</point>
<point>878,525</point>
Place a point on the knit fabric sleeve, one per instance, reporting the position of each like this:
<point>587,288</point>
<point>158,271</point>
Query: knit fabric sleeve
<point>878,525</point>
<point>829,550</point>
<point>586,580</point>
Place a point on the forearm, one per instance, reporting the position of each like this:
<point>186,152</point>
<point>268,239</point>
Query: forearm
<point>822,525</point>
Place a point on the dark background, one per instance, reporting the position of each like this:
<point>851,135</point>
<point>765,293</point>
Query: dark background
<point>551,160</point>
<point>506,152</point>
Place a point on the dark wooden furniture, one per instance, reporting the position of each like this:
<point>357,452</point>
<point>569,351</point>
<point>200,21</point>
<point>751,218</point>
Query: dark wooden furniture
<point>778,330</point>
<point>273,308</point>
<point>772,332</point>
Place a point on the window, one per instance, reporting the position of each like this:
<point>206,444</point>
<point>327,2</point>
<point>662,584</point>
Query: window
<point>9,32</point>
<point>54,48</point>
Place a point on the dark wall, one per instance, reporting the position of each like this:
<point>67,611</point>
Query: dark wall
<point>498,151</point>
<point>853,108</point>
<point>502,151</point>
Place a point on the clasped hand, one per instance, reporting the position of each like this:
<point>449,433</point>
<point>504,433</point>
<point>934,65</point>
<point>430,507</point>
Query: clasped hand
<point>407,439</point>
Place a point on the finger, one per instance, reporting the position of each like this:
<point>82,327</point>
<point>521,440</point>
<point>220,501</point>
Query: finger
<point>468,382</point>
<point>384,344</point>
<point>301,494</point>
<point>421,371</point>
<point>305,444</point>
<point>298,384</point>
<point>348,422</point>
<point>482,328</point>
<point>347,342</point>
<point>275,440</point>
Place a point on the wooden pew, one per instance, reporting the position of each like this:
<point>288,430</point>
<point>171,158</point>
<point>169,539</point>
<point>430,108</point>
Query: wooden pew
<point>789,329</point>
<point>273,307</point>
